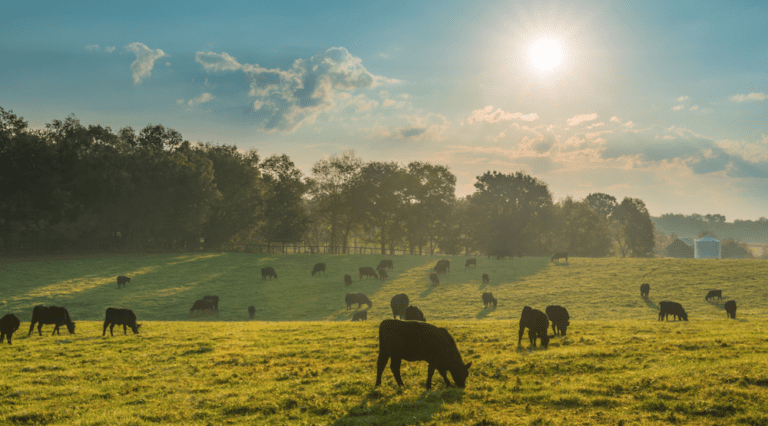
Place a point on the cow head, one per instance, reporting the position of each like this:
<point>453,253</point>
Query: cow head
<point>135,328</point>
<point>369,303</point>
<point>71,327</point>
<point>545,340</point>
<point>685,316</point>
<point>460,374</point>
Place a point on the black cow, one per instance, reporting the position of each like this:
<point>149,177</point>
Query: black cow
<point>202,305</point>
<point>671,308</point>
<point>385,264</point>
<point>8,325</point>
<point>489,300</point>
<point>383,274</point>
<point>644,290</point>
<point>121,280</point>
<point>537,324</point>
<point>268,272</point>
<point>559,317</point>
<point>469,262</point>
<point>51,315</point>
<point>443,266</point>
<point>368,272</point>
<point>399,303</point>
<point>360,316</point>
<point>435,279</point>
<point>124,317</point>
<point>559,255</point>
<point>419,341</point>
<point>413,313</point>
<point>730,310</point>
<point>347,280</point>
<point>318,267</point>
<point>486,279</point>
<point>714,293</point>
<point>251,311</point>
<point>215,300</point>
<point>359,298</point>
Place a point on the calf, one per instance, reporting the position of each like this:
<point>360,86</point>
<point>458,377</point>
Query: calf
<point>443,266</point>
<point>251,311</point>
<point>644,290</point>
<point>399,304</point>
<point>435,279</point>
<point>359,298</point>
<point>559,317</point>
<point>671,308</point>
<point>559,255</point>
<point>385,264</point>
<point>360,316</point>
<point>121,280</point>
<point>472,262</point>
<point>8,325</point>
<point>413,313</point>
<point>268,272</point>
<point>367,271</point>
<point>215,300</point>
<point>730,311</point>
<point>201,306</point>
<point>537,324</point>
<point>51,315</point>
<point>486,280</point>
<point>419,341</point>
<point>489,300</point>
<point>714,293</point>
<point>124,317</point>
<point>318,267</point>
<point>383,274</point>
<point>347,280</point>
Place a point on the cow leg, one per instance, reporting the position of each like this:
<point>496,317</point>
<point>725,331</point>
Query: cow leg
<point>9,338</point>
<point>125,330</point>
<point>532,337</point>
<point>395,367</point>
<point>430,372</point>
<point>520,335</point>
<point>111,327</point>
<point>2,337</point>
<point>104,332</point>
<point>40,328</point>
<point>55,330</point>
<point>380,364</point>
<point>445,377</point>
<point>31,327</point>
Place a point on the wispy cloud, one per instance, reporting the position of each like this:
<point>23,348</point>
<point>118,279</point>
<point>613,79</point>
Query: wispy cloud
<point>108,49</point>
<point>487,114</point>
<point>203,98</point>
<point>581,118</point>
<point>682,98</point>
<point>145,60</point>
<point>754,96</point>
<point>677,107</point>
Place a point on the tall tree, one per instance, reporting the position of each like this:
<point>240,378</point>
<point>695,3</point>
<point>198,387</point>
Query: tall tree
<point>429,196</point>
<point>603,204</point>
<point>284,216</point>
<point>633,228</point>
<point>582,230</point>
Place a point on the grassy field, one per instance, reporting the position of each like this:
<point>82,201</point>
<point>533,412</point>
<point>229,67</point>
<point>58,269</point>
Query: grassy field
<point>305,363</point>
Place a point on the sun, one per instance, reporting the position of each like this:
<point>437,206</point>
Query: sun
<point>546,54</point>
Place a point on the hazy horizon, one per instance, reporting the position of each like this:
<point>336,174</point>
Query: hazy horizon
<point>666,102</point>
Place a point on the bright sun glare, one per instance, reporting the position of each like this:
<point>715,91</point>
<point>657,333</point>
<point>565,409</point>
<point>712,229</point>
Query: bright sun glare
<point>546,54</point>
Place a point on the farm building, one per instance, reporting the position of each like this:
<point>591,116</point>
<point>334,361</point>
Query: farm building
<point>679,249</point>
<point>707,248</point>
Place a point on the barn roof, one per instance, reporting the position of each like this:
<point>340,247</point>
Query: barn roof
<point>679,249</point>
<point>707,239</point>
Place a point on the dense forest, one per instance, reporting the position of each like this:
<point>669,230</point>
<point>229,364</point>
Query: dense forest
<point>75,187</point>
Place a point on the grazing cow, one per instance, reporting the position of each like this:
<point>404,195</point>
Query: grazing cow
<point>251,311</point>
<point>215,300</point>
<point>469,262</point>
<point>435,279</point>
<point>268,272</point>
<point>124,317</point>
<point>367,271</point>
<point>385,264</point>
<point>486,279</point>
<point>359,298</point>
<point>413,313</point>
<point>488,299</point>
<point>558,256</point>
<point>318,267</point>
<point>121,280</point>
<point>419,341</point>
<point>559,317</point>
<point>51,315</point>
<point>537,324</point>
<point>360,316</point>
<point>399,303</point>
<point>714,293</point>
<point>443,266</point>
<point>347,280</point>
<point>671,308</point>
<point>644,290</point>
<point>202,305</point>
<point>730,310</point>
<point>8,325</point>
<point>383,274</point>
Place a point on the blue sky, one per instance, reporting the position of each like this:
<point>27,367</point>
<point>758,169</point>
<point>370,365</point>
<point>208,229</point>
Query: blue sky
<point>663,101</point>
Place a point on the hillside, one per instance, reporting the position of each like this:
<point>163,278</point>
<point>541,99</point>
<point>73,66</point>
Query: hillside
<point>163,287</point>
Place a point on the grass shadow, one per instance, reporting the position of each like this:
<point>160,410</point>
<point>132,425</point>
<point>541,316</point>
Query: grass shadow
<point>426,292</point>
<point>378,408</point>
<point>484,313</point>
<point>651,305</point>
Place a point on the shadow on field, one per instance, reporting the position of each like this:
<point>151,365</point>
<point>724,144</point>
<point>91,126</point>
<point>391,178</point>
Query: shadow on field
<point>651,305</point>
<point>377,408</point>
<point>484,313</point>
<point>426,292</point>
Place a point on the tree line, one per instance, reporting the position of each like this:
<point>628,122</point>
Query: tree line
<point>75,187</point>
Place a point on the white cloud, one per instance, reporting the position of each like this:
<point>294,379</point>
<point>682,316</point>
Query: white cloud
<point>424,127</point>
<point>677,107</point>
<point>179,101</point>
<point>92,47</point>
<point>750,97</point>
<point>217,61</point>
<point>389,102</point>
<point>110,49</point>
<point>487,114</point>
<point>145,60</point>
<point>581,118</point>
<point>203,98</point>
<point>682,98</point>
<point>694,108</point>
